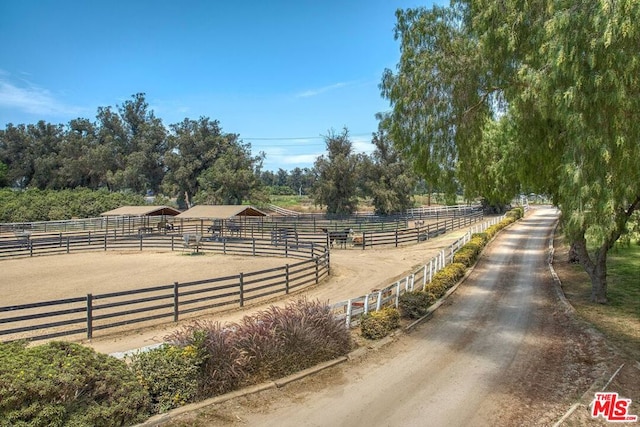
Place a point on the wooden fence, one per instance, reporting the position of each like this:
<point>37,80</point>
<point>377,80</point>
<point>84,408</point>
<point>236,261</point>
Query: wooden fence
<point>32,243</point>
<point>88,314</point>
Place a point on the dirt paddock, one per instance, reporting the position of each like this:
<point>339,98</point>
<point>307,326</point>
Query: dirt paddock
<point>354,272</point>
<point>45,278</point>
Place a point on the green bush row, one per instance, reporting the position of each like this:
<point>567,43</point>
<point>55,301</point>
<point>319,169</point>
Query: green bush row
<point>414,305</point>
<point>378,324</point>
<point>205,358</point>
<point>65,384</point>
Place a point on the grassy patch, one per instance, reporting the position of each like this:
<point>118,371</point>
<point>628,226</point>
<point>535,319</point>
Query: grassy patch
<point>619,320</point>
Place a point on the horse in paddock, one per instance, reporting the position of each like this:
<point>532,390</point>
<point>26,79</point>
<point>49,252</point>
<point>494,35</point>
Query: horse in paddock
<point>338,237</point>
<point>234,229</point>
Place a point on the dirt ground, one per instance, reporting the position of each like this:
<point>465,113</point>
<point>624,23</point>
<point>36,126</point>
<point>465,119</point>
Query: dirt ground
<point>354,272</point>
<point>563,362</point>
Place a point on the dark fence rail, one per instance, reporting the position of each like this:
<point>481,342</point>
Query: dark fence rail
<point>294,239</point>
<point>290,237</point>
<point>248,227</point>
<point>142,307</point>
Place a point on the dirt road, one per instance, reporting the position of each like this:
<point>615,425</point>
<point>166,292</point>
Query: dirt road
<point>501,352</point>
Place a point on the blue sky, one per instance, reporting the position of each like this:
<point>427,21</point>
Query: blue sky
<point>281,74</point>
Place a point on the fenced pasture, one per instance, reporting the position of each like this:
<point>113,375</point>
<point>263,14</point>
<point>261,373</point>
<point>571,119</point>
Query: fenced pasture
<point>21,240</point>
<point>299,237</point>
<point>82,316</point>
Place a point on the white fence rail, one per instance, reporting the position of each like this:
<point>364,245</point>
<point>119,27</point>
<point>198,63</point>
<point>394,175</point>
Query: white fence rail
<point>352,309</point>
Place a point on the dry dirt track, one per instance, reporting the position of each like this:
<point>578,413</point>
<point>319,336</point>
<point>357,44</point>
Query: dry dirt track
<point>501,352</point>
<point>354,272</point>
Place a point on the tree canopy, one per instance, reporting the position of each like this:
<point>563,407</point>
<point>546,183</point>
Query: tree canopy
<point>128,148</point>
<point>540,95</point>
<point>337,175</point>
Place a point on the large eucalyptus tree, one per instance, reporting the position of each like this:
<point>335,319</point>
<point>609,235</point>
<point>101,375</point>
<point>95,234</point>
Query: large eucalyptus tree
<point>547,87</point>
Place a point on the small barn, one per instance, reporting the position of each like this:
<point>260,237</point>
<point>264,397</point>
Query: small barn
<point>236,220</point>
<point>142,211</point>
<point>144,219</point>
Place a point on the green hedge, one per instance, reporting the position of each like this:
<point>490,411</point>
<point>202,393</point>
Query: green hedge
<point>170,374</point>
<point>414,304</point>
<point>61,384</point>
<point>378,324</point>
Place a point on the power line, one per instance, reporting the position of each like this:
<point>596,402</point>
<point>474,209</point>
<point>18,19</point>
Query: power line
<point>292,138</point>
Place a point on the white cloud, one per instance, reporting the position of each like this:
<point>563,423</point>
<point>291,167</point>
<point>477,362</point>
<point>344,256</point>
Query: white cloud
<point>318,91</point>
<point>33,99</point>
<point>300,159</point>
<point>362,144</point>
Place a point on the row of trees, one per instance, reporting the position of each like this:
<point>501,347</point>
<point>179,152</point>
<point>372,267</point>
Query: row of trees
<point>493,95</point>
<point>128,149</point>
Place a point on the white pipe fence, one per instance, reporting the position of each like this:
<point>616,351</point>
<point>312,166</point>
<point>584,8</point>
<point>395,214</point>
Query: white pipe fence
<point>353,309</point>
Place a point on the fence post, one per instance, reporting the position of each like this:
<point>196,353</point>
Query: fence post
<point>175,302</point>
<point>172,243</point>
<point>286,279</point>
<point>396,237</point>
<point>140,241</point>
<point>348,314</point>
<point>253,246</point>
<point>366,303</point>
<point>241,289</point>
<point>397,294</point>
<point>89,316</point>
<point>364,239</point>
<point>379,301</point>
<point>317,272</point>
<point>424,276</point>
<point>67,244</point>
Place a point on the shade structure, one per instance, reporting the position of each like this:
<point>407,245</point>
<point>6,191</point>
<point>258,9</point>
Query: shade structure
<point>142,211</point>
<point>220,212</point>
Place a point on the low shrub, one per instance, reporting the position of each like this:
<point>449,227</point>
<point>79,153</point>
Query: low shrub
<point>304,333</point>
<point>414,304</point>
<point>447,277</point>
<point>378,324</point>
<point>170,374</point>
<point>267,345</point>
<point>223,362</point>
<point>515,213</point>
<point>61,383</point>
<point>437,287</point>
<point>483,237</point>
<point>466,256</point>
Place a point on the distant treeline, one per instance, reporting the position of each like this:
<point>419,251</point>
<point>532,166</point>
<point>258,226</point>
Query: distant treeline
<point>46,205</point>
<point>127,151</point>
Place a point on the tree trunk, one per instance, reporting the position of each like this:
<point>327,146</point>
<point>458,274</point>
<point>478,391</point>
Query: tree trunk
<point>599,279</point>
<point>596,269</point>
